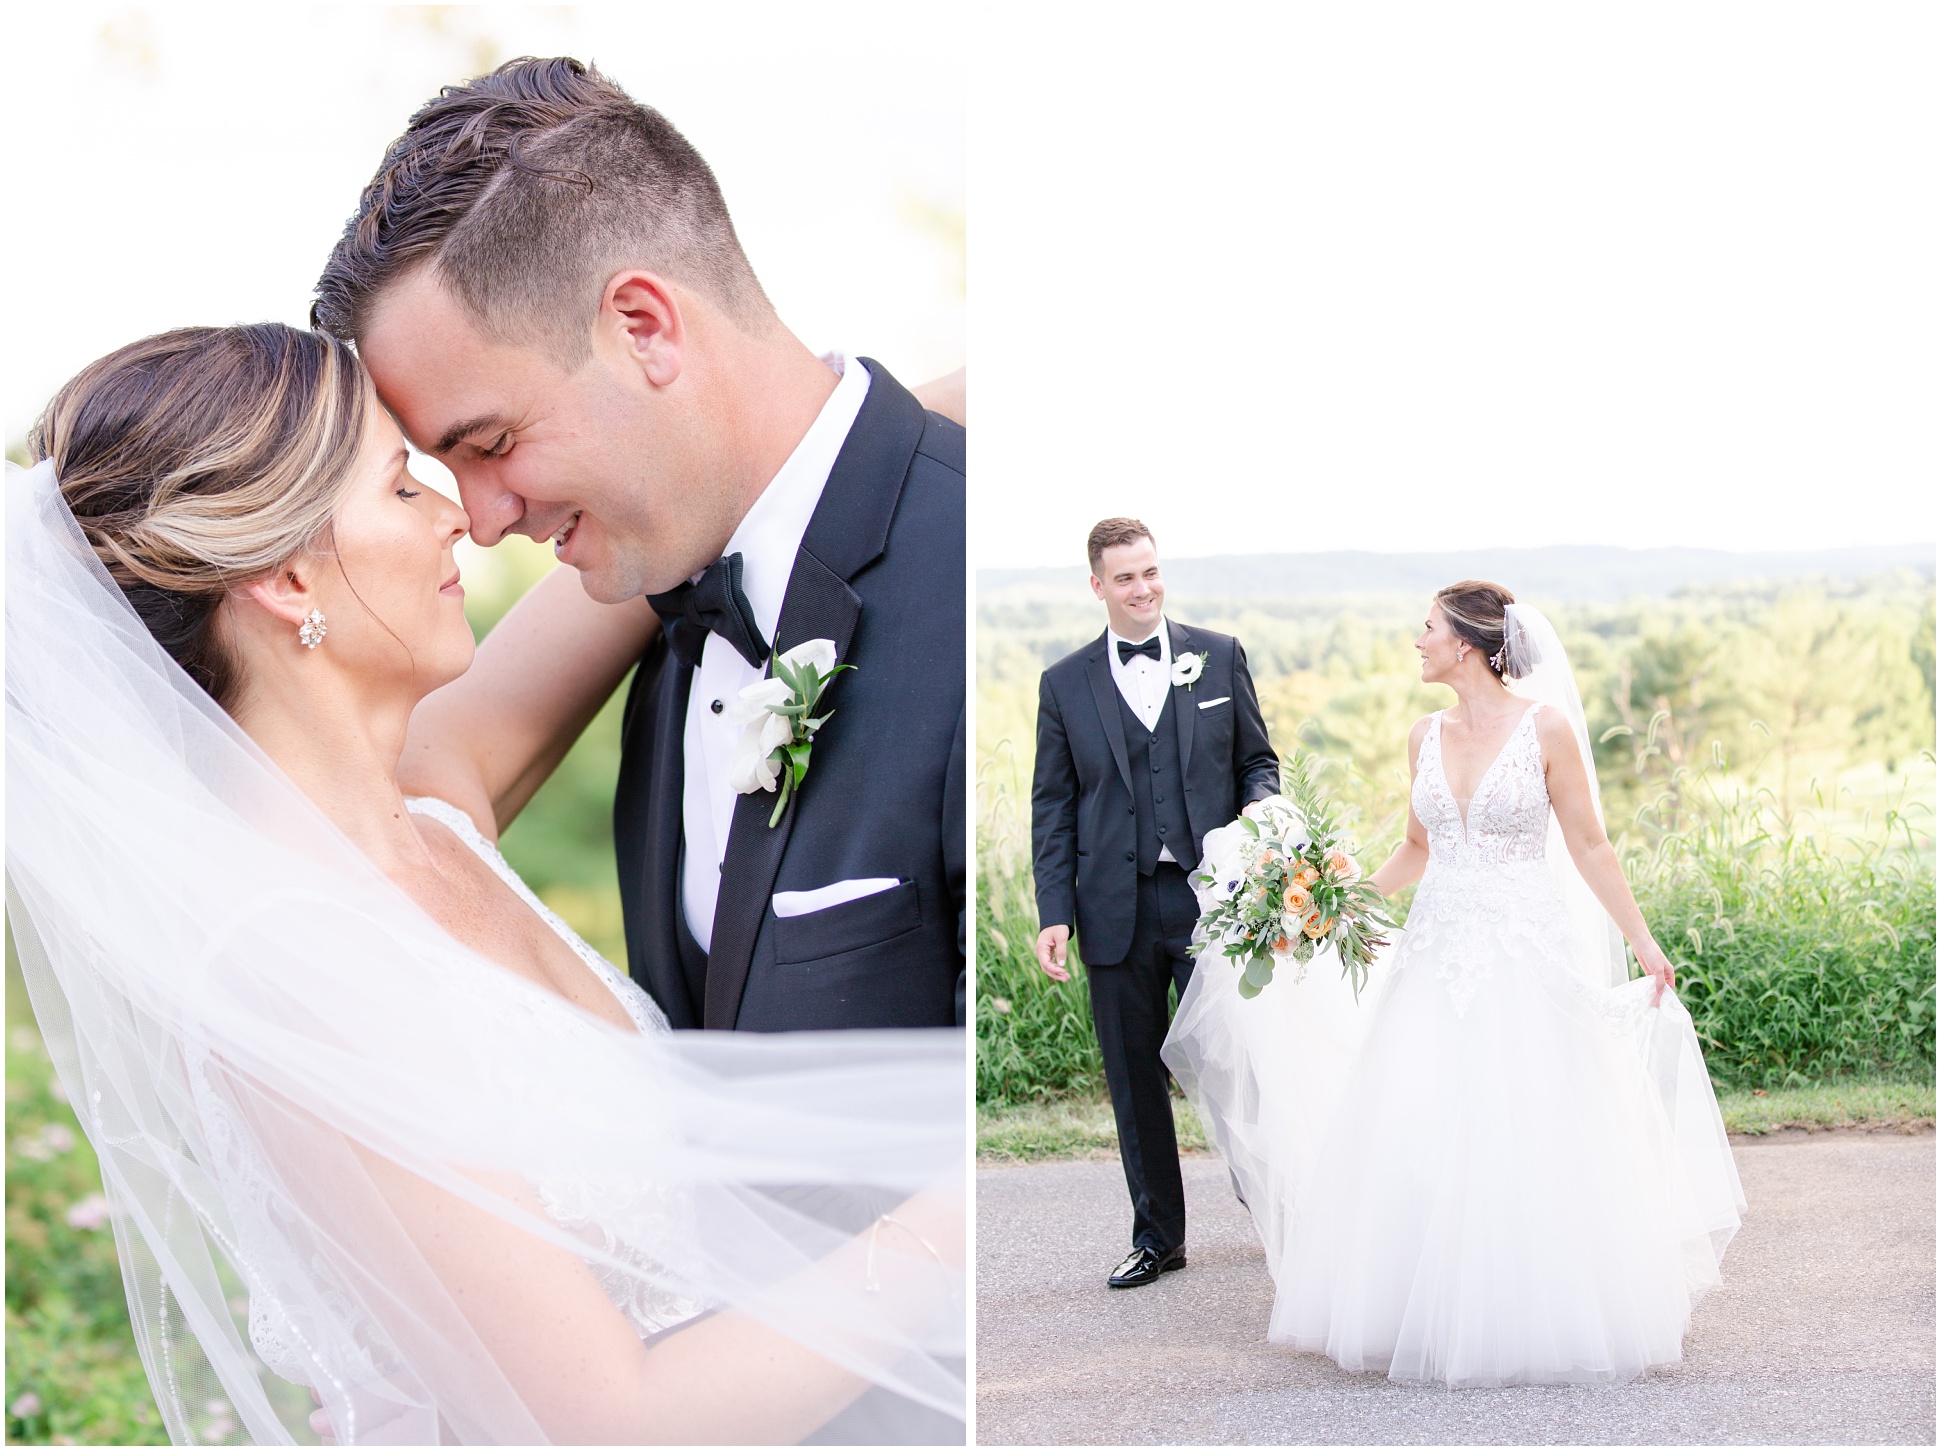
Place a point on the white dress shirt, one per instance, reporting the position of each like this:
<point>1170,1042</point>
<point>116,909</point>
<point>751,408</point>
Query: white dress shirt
<point>767,540</point>
<point>1144,684</point>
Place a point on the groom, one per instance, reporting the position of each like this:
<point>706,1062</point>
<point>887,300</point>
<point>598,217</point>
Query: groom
<point>545,285</point>
<point>1148,738</point>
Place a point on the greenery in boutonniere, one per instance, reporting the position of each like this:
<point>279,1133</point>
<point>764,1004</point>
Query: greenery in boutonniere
<point>779,722</point>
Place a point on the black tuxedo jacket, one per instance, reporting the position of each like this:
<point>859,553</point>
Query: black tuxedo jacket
<point>880,572</point>
<point>1082,817</point>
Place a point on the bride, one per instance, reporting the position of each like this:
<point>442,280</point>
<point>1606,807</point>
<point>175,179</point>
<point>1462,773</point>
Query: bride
<point>374,1121</point>
<point>1505,1164</point>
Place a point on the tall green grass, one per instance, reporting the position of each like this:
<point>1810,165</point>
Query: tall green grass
<point>1034,1036</point>
<point>1804,954</point>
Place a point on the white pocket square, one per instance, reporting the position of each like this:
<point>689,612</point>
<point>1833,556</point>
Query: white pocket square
<point>1209,704</point>
<point>816,899</point>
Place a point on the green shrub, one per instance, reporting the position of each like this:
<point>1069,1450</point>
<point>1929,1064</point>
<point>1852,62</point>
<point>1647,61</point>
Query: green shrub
<point>1802,956</point>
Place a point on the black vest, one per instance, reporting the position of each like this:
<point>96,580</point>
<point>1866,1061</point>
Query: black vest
<point>1158,789</point>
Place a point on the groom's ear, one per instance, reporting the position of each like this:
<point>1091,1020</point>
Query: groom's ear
<point>638,310</point>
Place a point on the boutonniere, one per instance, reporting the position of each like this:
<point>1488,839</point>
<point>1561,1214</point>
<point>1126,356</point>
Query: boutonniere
<point>778,722</point>
<point>1188,668</point>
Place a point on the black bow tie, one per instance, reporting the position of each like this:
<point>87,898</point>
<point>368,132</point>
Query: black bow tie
<point>1150,650</point>
<point>714,603</point>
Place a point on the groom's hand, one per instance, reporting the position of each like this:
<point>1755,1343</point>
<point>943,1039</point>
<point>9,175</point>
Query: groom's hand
<point>1051,952</point>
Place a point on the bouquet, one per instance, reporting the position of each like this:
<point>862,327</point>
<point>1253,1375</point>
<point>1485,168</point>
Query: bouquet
<point>1280,883</point>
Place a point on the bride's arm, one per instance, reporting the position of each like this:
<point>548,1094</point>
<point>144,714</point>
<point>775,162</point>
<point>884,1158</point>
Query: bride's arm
<point>944,395</point>
<point>584,1373</point>
<point>1405,864</point>
<point>489,740</point>
<point>1590,848</point>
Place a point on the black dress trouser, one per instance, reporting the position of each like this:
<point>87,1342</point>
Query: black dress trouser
<point>1131,1015</point>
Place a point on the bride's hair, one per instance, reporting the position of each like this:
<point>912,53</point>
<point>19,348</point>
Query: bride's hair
<point>1474,609</point>
<point>198,460</point>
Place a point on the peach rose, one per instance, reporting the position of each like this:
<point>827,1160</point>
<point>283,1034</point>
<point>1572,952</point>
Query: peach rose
<point>1296,899</point>
<point>1343,865</point>
<point>1315,928</point>
<point>1280,944</point>
<point>1307,876</point>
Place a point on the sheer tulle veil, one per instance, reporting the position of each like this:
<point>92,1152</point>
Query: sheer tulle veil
<point>261,1033</point>
<point>1537,668</point>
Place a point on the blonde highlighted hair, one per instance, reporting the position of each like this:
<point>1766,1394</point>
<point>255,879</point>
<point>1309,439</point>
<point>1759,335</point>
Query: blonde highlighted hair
<point>200,459</point>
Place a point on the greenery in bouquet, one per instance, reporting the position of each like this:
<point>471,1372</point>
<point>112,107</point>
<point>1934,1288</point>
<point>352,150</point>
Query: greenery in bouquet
<point>1280,884</point>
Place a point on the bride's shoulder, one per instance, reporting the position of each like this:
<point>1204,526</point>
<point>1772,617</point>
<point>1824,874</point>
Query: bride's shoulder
<point>1419,732</point>
<point>1552,727</point>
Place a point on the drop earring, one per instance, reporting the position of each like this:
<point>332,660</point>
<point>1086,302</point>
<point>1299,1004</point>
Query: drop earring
<point>312,630</point>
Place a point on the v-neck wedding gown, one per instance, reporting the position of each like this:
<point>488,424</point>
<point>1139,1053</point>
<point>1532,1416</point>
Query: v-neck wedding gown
<point>1491,1170</point>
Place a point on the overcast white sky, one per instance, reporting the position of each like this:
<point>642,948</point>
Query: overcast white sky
<point>1428,276</point>
<point>1288,276</point>
<point>194,164</point>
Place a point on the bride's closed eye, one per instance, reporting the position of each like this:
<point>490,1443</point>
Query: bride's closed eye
<point>403,493</point>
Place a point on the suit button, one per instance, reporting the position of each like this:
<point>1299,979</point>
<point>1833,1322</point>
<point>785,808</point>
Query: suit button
<point>1162,831</point>
<point>1155,770</point>
<point>1159,801</point>
<point>1131,810</point>
<point>1128,856</point>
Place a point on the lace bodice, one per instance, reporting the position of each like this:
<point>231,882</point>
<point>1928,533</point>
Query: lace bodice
<point>1488,887</point>
<point>1508,819</point>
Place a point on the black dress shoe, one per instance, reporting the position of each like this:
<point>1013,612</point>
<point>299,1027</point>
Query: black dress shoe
<point>1143,1266</point>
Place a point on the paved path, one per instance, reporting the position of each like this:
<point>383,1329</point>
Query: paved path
<point>1823,1332</point>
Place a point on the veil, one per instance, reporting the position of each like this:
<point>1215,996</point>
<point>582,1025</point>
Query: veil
<point>1535,664</point>
<point>312,1107</point>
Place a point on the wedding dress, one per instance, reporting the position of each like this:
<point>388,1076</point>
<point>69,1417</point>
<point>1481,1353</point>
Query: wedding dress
<point>1497,1167</point>
<point>281,1061</point>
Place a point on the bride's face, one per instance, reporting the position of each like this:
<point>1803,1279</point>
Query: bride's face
<point>389,588</point>
<point>1440,649</point>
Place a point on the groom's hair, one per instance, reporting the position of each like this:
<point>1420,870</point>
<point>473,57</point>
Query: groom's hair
<point>528,189</point>
<point>1110,533</point>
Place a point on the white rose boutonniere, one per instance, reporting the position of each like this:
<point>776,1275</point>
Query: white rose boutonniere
<point>778,722</point>
<point>1188,668</point>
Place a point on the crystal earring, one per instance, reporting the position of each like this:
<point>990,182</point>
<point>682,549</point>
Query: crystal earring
<point>312,630</point>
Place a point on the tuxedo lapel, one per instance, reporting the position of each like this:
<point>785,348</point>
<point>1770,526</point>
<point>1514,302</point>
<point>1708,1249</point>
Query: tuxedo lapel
<point>849,528</point>
<point>1185,708</point>
<point>1105,694</point>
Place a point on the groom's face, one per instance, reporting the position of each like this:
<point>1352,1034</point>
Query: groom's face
<point>1127,579</point>
<point>598,459</point>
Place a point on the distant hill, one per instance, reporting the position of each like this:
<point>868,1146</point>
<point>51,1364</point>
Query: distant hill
<point>1563,572</point>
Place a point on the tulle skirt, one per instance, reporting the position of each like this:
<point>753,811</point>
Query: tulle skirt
<point>1487,1171</point>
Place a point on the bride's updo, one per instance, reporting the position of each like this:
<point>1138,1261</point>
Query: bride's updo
<point>1474,609</point>
<point>198,460</point>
